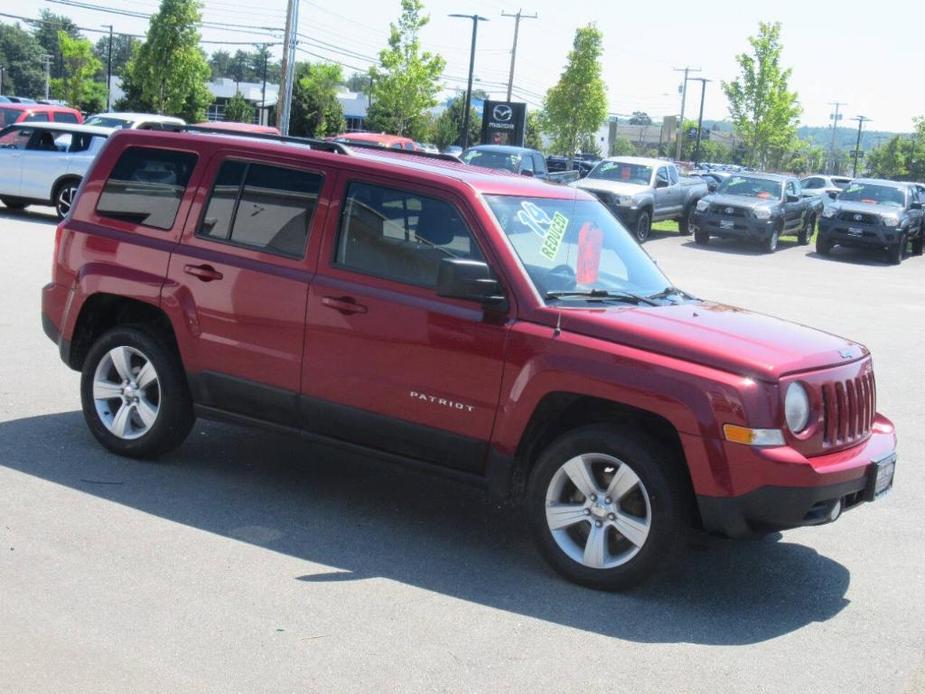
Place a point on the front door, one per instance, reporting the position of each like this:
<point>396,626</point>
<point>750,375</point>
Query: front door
<point>240,277</point>
<point>388,363</point>
<point>12,145</point>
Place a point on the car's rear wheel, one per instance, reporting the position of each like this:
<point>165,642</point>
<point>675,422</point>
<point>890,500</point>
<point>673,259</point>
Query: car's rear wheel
<point>701,237</point>
<point>65,193</point>
<point>917,245</point>
<point>134,394</point>
<point>607,507</point>
<point>806,233</point>
<point>14,203</point>
<point>770,243</point>
<point>823,245</point>
<point>897,251</point>
<point>643,226</point>
<point>686,223</point>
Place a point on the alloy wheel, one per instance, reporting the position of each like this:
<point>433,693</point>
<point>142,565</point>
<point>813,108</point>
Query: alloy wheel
<point>126,393</point>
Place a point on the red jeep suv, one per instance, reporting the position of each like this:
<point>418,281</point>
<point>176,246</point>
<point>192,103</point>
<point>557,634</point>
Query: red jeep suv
<point>500,330</point>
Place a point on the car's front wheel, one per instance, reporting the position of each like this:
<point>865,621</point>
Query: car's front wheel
<point>607,507</point>
<point>897,251</point>
<point>134,394</point>
<point>823,245</point>
<point>643,226</point>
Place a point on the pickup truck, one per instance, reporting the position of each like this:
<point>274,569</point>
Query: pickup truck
<point>759,208</point>
<point>517,160</point>
<point>640,191</point>
<point>872,213</point>
<point>491,328</point>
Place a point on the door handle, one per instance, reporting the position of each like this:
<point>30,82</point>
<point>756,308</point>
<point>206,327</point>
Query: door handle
<point>344,304</point>
<point>206,273</point>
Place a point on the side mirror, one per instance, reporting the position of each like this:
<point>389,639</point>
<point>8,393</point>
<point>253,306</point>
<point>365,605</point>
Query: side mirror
<point>470,280</point>
<point>712,187</point>
<point>527,172</point>
<point>661,183</point>
<point>915,206</point>
<point>793,198</point>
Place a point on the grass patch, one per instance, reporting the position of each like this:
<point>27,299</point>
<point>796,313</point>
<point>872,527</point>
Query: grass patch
<point>667,225</point>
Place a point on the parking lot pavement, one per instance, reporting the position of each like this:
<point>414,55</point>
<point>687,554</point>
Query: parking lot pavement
<point>251,562</point>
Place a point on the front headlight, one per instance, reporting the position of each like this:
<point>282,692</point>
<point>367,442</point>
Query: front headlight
<point>702,206</point>
<point>762,213</point>
<point>624,200</point>
<point>796,408</point>
<point>829,212</point>
<point>890,220</point>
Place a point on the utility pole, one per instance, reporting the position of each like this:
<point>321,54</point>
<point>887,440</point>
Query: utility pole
<point>835,118</point>
<point>685,70</point>
<point>857,147</point>
<point>263,91</point>
<point>464,140</point>
<point>1,80</point>
<point>288,70</point>
<point>108,69</point>
<point>47,60</point>
<point>517,17</point>
<point>703,94</point>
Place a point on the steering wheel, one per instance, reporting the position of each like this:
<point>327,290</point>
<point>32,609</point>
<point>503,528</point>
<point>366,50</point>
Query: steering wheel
<point>562,277</point>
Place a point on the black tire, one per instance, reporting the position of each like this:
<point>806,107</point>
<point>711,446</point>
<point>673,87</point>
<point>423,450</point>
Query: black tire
<point>701,238</point>
<point>643,226</point>
<point>919,243</point>
<point>896,252</point>
<point>686,223</point>
<point>770,244</point>
<point>806,233</point>
<point>823,245</point>
<point>64,195</point>
<point>174,417</point>
<point>668,512</point>
<point>14,203</point>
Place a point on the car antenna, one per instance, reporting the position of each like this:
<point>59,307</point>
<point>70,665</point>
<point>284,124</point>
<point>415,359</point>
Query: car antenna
<point>558,330</point>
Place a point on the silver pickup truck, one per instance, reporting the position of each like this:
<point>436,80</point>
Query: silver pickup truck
<point>640,191</point>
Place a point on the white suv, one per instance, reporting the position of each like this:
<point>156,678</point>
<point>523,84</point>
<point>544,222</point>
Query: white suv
<point>824,185</point>
<point>135,121</point>
<point>43,163</point>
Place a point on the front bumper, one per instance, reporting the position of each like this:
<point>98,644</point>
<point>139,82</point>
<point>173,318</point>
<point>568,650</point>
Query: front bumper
<point>797,491</point>
<point>749,228</point>
<point>856,234</point>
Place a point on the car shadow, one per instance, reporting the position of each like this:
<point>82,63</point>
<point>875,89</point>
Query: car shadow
<point>737,247</point>
<point>854,256</point>
<point>32,214</point>
<point>368,520</point>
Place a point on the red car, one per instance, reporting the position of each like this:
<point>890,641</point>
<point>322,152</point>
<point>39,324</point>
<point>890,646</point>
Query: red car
<point>231,126</point>
<point>495,329</point>
<point>380,140</point>
<point>37,113</point>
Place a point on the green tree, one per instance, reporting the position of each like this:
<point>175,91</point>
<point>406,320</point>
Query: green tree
<point>220,64</point>
<point>169,71</point>
<point>764,111</point>
<point>316,110</point>
<point>122,48</point>
<point>48,30</point>
<point>533,135</point>
<point>622,147</point>
<point>239,110</point>
<point>405,84</point>
<point>21,57</point>
<point>78,87</point>
<point>640,118</point>
<point>890,160</point>
<point>358,82</point>
<point>448,125</point>
<point>576,107</point>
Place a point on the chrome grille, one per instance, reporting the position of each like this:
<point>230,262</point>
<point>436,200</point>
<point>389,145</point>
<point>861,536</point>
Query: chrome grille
<point>848,409</point>
<point>725,210</point>
<point>864,218</point>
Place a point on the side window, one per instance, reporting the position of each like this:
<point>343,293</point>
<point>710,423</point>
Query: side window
<point>539,164</point>
<point>146,186</point>
<point>43,141</point>
<point>40,117</point>
<point>792,188</point>
<point>400,235</point>
<point>662,175</point>
<point>268,208</point>
<point>673,175</point>
<point>526,163</point>
<point>15,138</point>
<point>65,117</point>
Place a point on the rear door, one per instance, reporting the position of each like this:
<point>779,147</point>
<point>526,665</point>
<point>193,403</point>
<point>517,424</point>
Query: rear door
<point>388,363</point>
<point>240,278</point>
<point>793,211</point>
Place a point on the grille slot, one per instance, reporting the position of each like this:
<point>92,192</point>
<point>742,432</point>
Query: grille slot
<point>864,218</point>
<point>721,210</point>
<point>848,409</point>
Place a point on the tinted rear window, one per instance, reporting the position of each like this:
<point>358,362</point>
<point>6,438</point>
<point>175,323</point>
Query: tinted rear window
<point>65,117</point>
<point>146,186</point>
<point>9,116</point>
<point>40,117</point>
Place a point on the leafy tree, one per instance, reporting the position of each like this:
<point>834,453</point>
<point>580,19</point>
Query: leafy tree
<point>622,147</point>
<point>122,47</point>
<point>21,57</point>
<point>239,110</point>
<point>640,118</point>
<point>405,84</point>
<point>169,71</point>
<point>890,160</point>
<point>533,135</point>
<point>358,82</point>
<point>448,125</point>
<point>220,64</point>
<point>576,107</point>
<point>48,30</point>
<point>316,110</point>
<point>78,87</point>
<point>764,110</point>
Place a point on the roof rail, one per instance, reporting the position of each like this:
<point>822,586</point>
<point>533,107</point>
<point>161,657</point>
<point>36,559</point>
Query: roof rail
<point>321,145</point>
<point>432,155</point>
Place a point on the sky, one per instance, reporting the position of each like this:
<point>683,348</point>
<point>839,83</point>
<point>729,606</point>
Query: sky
<point>869,60</point>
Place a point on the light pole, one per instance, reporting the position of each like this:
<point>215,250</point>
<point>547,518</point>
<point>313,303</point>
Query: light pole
<point>685,70</point>
<point>108,69</point>
<point>703,94</point>
<point>47,60</point>
<point>857,147</point>
<point>464,140</point>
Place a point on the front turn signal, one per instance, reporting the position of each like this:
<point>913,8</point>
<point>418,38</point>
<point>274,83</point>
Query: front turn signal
<point>753,437</point>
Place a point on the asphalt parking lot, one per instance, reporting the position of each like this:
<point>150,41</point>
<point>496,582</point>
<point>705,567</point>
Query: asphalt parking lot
<point>251,562</point>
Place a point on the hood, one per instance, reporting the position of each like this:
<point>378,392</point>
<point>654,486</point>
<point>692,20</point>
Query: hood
<point>864,208</point>
<point>615,187</point>
<point>740,201</point>
<point>723,337</point>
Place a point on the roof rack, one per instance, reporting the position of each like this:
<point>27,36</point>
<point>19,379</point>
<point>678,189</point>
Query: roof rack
<point>321,145</point>
<point>432,155</point>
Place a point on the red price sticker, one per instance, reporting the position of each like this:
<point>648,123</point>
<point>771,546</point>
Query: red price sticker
<point>590,242</point>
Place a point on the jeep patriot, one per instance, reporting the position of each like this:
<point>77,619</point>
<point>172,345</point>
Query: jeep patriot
<point>490,327</point>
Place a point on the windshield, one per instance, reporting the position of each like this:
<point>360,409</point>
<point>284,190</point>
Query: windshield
<point>492,160</point>
<point>108,122</point>
<point>873,195</point>
<point>638,174</point>
<point>575,245</point>
<point>746,187</point>
<point>9,116</point>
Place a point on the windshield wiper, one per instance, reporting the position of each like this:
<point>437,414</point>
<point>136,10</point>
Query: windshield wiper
<point>668,291</point>
<point>600,295</point>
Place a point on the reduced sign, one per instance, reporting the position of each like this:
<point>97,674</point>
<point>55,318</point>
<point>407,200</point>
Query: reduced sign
<point>503,123</point>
